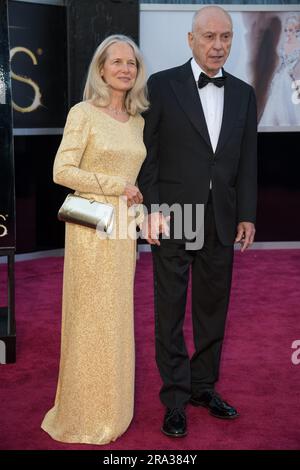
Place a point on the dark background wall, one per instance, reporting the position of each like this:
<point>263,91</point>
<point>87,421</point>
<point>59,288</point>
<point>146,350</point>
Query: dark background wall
<point>89,22</point>
<point>278,212</point>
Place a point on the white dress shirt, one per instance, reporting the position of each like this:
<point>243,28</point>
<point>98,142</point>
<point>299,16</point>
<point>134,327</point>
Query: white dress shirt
<point>212,100</point>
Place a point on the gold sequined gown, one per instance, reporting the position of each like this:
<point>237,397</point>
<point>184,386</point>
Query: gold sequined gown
<point>95,392</point>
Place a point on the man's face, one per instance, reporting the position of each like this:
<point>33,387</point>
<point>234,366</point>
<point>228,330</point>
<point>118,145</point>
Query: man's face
<point>211,41</point>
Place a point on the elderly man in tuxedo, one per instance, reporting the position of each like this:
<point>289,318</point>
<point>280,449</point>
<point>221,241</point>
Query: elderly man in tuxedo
<point>200,134</point>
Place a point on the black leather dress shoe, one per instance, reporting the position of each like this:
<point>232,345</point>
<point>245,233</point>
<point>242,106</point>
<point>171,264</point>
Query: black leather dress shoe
<point>216,406</point>
<point>174,423</point>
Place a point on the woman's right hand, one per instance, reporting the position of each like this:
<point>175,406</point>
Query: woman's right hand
<point>133,194</point>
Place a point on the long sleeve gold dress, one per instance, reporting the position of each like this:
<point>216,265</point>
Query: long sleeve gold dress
<point>95,392</point>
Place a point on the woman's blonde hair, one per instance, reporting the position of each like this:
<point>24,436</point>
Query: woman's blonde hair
<point>98,91</point>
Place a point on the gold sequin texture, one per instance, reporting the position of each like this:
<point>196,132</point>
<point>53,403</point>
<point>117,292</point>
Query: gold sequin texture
<point>95,393</point>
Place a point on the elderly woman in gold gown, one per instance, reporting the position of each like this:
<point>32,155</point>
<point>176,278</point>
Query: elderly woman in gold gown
<point>103,136</point>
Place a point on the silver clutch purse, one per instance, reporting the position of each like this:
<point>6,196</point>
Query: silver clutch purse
<point>87,212</point>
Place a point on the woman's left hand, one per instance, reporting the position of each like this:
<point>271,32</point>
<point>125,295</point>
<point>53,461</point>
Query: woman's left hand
<point>133,194</point>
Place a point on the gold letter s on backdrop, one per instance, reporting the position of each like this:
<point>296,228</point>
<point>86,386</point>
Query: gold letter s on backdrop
<point>3,228</point>
<point>37,94</point>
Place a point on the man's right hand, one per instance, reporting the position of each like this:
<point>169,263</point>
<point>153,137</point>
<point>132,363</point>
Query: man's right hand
<point>154,224</point>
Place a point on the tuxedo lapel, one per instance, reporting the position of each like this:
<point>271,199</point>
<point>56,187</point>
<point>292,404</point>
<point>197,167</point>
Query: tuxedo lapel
<point>187,94</point>
<point>186,91</point>
<point>230,111</point>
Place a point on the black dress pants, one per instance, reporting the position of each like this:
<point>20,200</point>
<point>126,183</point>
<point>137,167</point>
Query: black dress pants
<point>211,269</point>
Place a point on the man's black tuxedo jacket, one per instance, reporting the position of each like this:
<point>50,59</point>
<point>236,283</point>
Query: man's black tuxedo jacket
<point>180,161</point>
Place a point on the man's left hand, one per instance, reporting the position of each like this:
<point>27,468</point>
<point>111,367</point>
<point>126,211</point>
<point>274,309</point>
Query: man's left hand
<point>245,234</point>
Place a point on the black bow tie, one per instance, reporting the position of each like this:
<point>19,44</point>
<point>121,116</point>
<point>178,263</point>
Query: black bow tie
<point>204,80</point>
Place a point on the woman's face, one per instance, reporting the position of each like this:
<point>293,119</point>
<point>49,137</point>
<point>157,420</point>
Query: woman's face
<point>119,70</point>
<point>290,31</point>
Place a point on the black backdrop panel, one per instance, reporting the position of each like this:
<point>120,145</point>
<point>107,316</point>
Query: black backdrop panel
<point>38,198</point>
<point>88,24</point>
<point>7,209</point>
<point>38,43</point>
<point>279,187</point>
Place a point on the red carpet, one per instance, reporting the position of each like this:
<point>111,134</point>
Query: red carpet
<point>257,374</point>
